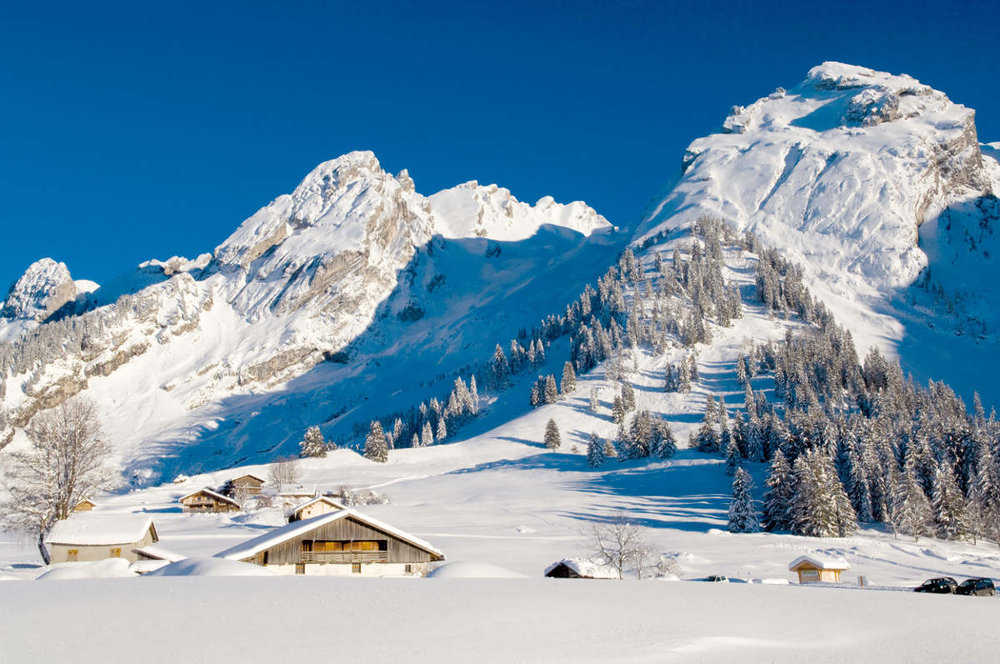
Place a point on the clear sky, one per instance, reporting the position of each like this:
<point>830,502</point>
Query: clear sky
<point>131,132</point>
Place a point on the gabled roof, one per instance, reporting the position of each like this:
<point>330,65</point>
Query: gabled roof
<point>213,494</point>
<point>284,533</point>
<point>319,499</point>
<point>101,528</point>
<point>821,562</point>
<point>585,568</point>
<point>244,476</point>
<point>86,500</point>
<point>154,552</point>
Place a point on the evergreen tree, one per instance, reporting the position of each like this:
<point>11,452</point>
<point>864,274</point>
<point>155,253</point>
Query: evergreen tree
<point>618,410</point>
<point>779,494</point>
<point>539,351</point>
<point>442,430</point>
<point>551,393</point>
<point>595,403</point>
<point>312,444</point>
<point>911,512</point>
<point>948,505</point>
<point>820,507</point>
<point>376,447</point>
<point>415,441</point>
<point>628,397</point>
<point>732,457</point>
<point>707,439</point>
<point>500,368</point>
<point>568,384</point>
<point>551,439</point>
<point>664,444</point>
<point>473,397</point>
<point>742,513</point>
<point>536,395</point>
<point>426,435</point>
<point>596,456</point>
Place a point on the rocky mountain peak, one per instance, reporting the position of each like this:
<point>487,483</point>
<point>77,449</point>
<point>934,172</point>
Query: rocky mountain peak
<point>42,290</point>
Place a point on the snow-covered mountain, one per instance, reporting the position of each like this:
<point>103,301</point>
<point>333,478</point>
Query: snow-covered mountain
<point>164,347</point>
<point>878,186</point>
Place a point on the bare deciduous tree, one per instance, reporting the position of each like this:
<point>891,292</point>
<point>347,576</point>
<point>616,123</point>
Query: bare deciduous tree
<point>621,544</point>
<point>284,470</point>
<point>64,465</point>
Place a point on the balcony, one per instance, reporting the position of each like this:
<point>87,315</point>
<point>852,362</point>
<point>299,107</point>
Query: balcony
<point>345,557</point>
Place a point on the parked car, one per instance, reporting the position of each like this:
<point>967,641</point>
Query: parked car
<point>944,586</point>
<point>717,578</point>
<point>982,587</point>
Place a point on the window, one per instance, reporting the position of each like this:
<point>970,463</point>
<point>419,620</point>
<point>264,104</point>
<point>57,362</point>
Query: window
<point>300,568</point>
<point>116,552</point>
<point>408,568</point>
<point>72,554</point>
<point>355,568</point>
<point>341,545</point>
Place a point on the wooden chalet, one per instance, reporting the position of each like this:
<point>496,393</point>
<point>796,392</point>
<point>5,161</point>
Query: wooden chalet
<point>96,536</point>
<point>206,500</point>
<point>84,505</point>
<point>315,507</point>
<point>250,485</point>
<point>818,569</point>
<point>343,542</point>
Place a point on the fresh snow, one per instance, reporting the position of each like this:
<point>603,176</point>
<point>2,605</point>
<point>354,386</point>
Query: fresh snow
<point>99,528</point>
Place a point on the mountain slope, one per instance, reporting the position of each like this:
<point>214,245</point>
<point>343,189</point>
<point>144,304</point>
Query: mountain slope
<point>172,347</point>
<point>876,184</point>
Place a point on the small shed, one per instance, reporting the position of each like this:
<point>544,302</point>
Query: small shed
<point>578,568</point>
<point>153,557</point>
<point>315,507</point>
<point>96,536</point>
<point>85,505</point>
<point>206,500</point>
<point>250,485</point>
<point>818,569</point>
<point>344,542</point>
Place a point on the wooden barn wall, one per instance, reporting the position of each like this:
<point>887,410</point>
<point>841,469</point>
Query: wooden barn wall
<point>288,552</point>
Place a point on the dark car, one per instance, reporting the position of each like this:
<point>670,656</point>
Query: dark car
<point>983,587</point>
<point>944,586</point>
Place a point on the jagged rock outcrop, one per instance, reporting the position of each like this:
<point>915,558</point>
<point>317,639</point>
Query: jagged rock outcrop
<point>44,288</point>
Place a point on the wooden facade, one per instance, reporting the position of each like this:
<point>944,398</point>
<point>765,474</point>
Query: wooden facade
<point>85,505</point>
<point>206,500</point>
<point>315,507</point>
<point>347,532</point>
<point>341,542</point>
<point>248,484</point>
<point>816,570</point>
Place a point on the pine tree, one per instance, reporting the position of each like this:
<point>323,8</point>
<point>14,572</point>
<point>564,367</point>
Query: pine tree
<point>618,410</point>
<point>473,397</point>
<point>551,439</point>
<point>742,513</point>
<point>442,430</point>
<point>568,384</point>
<point>539,351</point>
<point>779,494</point>
<point>500,368</point>
<point>595,403</point>
<point>415,441</point>
<point>628,397</point>
<point>536,395</point>
<point>596,456</point>
<point>664,444</point>
<point>948,505</point>
<point>910,510</point>
<point>312,444</point>
<point>551,393</point>
<point>426,435</point>
<point>376,447</point>
<point>820,506</point>
<point>732,458</point>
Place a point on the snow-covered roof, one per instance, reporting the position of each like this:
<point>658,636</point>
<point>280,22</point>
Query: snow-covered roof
<point>319,499</point>
<point>159,553</point>
<point>243,477</point>
<point>822,562</point>
<point>584,567</point>
<point>284,533</point>
<point>213,494</point>
<point>96,529</point>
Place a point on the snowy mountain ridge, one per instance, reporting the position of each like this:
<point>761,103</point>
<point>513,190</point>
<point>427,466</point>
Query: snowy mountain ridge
<point>849,174</point>
<point>297,282</point>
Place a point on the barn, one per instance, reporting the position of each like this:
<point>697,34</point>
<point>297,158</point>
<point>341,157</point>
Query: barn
<point>577,568</point>
<point>343,542</point>
<point>206,500</point>
<point>90,536</point>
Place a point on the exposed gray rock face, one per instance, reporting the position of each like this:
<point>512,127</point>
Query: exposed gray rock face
<point>44,288</point>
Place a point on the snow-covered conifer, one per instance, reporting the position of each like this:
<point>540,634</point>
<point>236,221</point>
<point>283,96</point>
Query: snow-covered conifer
<point>552,440</point>
<point>551,393</point>
<point>948,505</point>
<point>779,494</point>
<point>732,457</point>
<point>312,444</point>
<point>595,451</point>
<point>426,435</point>
<point>442,430</point>
<point>500,368</point>
<point>595,402</point>
<point>376,446</point>
<point>568,384</point>
<point>742,513</point>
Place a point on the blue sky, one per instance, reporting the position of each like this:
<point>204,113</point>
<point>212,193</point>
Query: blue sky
<point>134,132</point>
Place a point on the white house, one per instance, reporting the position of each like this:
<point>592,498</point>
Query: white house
<point>88,536</point>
